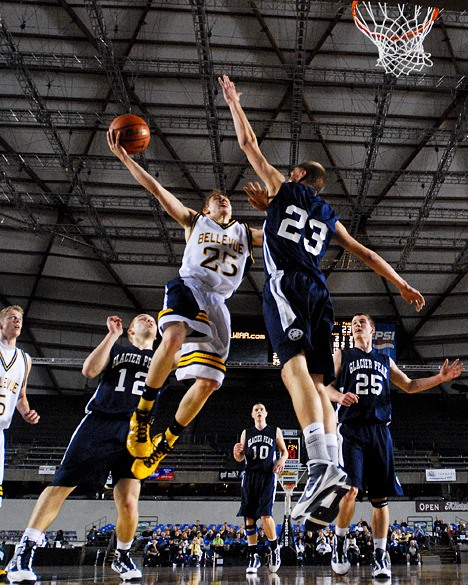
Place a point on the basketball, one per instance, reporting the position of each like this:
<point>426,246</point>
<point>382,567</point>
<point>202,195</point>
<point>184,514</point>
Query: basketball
<point>134,132</point>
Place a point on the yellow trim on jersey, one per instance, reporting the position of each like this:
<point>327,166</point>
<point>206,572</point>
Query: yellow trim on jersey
<point>13,360</point>
<point>202,358</point>
<point>1,491</point>
<point>192,227</point>
<point>201,316</point>
<point>249,239</point>
<point>223,225</point>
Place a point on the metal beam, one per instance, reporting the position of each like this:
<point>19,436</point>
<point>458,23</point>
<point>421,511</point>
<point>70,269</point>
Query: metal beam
<point>460,133</point>
<point>206,70</point>
<point>302,8</point>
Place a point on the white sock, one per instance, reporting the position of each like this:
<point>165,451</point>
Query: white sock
<point>314,437</point>
<point>33,534</point>
<point>124,545</point>
<point>380,543</point>
<point>331,441</point>
<point>341,531</point>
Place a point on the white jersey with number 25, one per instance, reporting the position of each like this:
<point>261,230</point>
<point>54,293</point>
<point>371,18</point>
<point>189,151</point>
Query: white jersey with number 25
<point>217,255</point>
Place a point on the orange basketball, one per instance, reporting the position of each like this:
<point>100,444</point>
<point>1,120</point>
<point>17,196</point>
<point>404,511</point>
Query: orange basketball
<point>134,132</point>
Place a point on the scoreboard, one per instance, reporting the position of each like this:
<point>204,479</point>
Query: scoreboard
<point>250,343</point>
<point>342,337</point>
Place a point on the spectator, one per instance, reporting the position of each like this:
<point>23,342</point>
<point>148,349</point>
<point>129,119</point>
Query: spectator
<point>323,551</point>
<point>152,556</point>
<point>179,559</point>
<point>413,556</point>
<point>59,539</point>
<point>91,537</point>
<point>353,550</point>
<point>195,552</point>
<point>300,551</point>
<point>218,544</point>
<point>309,546</point>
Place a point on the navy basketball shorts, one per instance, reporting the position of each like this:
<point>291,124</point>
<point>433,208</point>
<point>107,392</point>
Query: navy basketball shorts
<point>366,453</point>
<point>97,448</point>
<point>299,317</point>
<point>258,495</point>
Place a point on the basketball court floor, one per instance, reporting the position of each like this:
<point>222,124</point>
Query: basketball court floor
<point>401,575</point>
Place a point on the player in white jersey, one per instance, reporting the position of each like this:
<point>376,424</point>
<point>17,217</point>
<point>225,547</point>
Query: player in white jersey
<point>14,371</point>
<point>195,318</point>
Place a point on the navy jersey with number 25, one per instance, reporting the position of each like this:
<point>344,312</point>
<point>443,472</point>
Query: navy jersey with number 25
<point>368,376</point>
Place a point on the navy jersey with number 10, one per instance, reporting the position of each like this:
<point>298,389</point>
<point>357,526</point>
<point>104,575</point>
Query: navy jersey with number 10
<point>122,381</point>
<point>260,449</point>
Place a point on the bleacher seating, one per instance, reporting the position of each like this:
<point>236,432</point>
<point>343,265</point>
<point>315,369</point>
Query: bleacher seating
<point>413,460</point>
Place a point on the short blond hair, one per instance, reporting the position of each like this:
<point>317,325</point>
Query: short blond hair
<point>6,310</point>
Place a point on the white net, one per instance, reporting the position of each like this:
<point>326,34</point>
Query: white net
<point>398,32</point>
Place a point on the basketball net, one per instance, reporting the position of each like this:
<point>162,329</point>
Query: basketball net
<point>398,32</point>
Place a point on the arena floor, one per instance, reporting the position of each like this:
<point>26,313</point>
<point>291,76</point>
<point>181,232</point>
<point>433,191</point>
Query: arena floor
<point>401,575</point>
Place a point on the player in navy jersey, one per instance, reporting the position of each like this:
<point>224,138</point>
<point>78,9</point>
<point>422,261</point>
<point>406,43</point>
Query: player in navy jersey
<point>362,390</point>
<point>195,318</point>
<point>297,306</point>
<point>98,446</point>
<point>257,447</point>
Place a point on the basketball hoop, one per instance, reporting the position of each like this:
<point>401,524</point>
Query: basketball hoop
<point>398,32</point>
<point>288,487</point>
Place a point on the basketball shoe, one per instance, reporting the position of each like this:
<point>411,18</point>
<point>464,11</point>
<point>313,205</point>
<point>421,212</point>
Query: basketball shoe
<point>138,438</point>
<point>339,562</point>
<point>327,510</point>
<point>19,569</point>
<point>254,563</point>
<point>380,565</point>
<point>274,561</point>
<point>143,468</point>
<point>124,565</point>
<point>324,478</point>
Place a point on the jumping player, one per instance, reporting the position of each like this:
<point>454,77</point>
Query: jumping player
<point>14,370</point>
<point>363,378</point>
<point>257,447</point>
<point>98,446</point>
<point>217,255</point>
<point>297,306</point>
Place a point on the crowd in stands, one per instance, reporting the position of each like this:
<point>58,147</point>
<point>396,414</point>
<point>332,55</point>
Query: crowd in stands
<point>192,545</point>
<point>181,545</point>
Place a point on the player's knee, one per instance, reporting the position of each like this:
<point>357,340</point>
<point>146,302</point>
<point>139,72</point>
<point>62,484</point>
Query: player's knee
<point>352,494</point>
<point>381,503</point>
<point>205,386</point>
<point>128,505</point>
<point>173,336</point>
<point>250,529</point>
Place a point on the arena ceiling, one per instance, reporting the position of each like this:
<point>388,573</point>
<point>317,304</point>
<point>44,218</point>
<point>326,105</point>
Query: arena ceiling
<point>80,240</point>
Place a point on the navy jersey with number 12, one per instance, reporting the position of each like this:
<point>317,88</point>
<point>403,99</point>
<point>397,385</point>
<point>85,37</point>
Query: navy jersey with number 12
<point>122,381</point>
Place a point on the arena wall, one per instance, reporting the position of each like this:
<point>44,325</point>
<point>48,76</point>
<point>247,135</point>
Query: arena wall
<point>77,514</point>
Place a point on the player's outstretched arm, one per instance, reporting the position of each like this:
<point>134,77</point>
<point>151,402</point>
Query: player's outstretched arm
<point>378,265</point>
<point>98,359</point>
<point>258,196</point>
<point>247,139</point>
<point>446,373</point>
<point>175,208</point>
